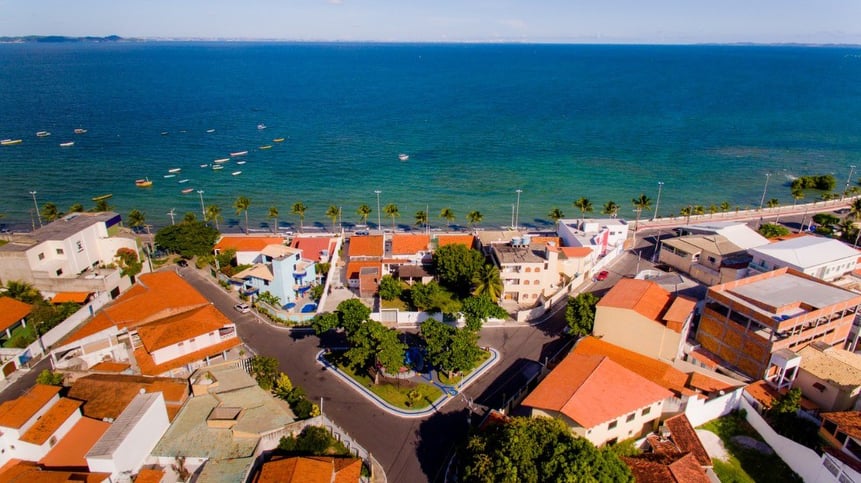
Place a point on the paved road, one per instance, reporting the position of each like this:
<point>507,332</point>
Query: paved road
<point>24,382</point>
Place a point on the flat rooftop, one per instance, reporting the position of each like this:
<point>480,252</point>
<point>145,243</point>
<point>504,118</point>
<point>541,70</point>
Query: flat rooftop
<point>60,229</point>
<point>787,289</point>
<point>509,254</point>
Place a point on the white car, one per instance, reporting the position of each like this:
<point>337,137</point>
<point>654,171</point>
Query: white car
<point>242,308</point>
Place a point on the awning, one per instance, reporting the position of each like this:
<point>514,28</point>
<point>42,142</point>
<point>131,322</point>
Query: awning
<point>303,289</point>
<point>74,297</point>
<point>288,305</point>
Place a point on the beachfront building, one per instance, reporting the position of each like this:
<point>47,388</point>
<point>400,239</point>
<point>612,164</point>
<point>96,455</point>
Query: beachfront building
<point>282,272</point>
<point>735,232</point>
<point>409,249</point>
<point>709,259</point>
<point>529,271</point>
<point>824,258</point>
<point>746,322</point>
<point>830,377</point>
<point>365,252</point>
<point>75,253</point>
<point>247,248</point>
<point>604,236</point>
<point>161,326</point>
<point>640,316</point>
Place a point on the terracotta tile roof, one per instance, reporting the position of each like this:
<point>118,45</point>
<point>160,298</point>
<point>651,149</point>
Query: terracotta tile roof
<point>706,357</point>
<point>74,297</point>
<point>443,240</point>
<point>180,327</point>
<point>680,309</point>
<point>686,439</point>
<point>709,385</point>
<point>149,476</point>
<point>409,244</point>
<point>258,270</point>
<point>347,470</point>
<point>642,296</point>
<point>108,395</point>
<point>767,395</point>
<point>109,366</point>
<point>847,421</point>
<point>49,422</point>
<point>247,243</point>
<point>71,451</point>
<point>544,240</point>
<point>150,368</point>
<point>575,252</point>
<point>650,369</point>
<point>14,413</point>
<point>17,471</point>
<point>279,251</point>
<point>354,267</point>
<point>366,246</point>
<point>312,246</point>
<point>652,468</point>
<point>310,469</point>
<point>12,311</point>
<point>593,389</point>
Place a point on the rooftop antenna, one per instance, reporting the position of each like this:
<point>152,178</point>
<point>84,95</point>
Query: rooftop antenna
<point>172,214</point>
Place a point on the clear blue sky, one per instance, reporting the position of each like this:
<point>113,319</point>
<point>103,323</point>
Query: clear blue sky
<point>593,21</point>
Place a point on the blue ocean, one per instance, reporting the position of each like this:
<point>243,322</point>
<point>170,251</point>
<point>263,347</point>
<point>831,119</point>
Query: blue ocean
<point>478,122</point>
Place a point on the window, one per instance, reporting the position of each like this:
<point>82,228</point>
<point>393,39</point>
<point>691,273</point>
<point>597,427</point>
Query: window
<point>60,251</point>
<point>526,282</point>
<point>646,411</point>
<point>712,260</point>
<point>819,386</point>
<point>191,341</point>
<point>180,344</point>
<point>537,269</point>
<point>79,245</point>
<point>528,269</point>
<point>536,282</point>
<point>612,425</point>
<point>41,256</point>
<point>59,271</point>
<point>630,417</point>
<point>52,441</point>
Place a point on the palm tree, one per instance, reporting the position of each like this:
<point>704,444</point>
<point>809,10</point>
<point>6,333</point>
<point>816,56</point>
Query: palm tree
<point>448,214</point>
<point>611,208</point>
<point>487,281</point>
<point>713,209</point>
<point>273,215</point>
<point>474,217</point>
<point>189,217</point>
<point>213,213</point>
<point>699,210</point>
<point>137,218</point>
<point>855,209</point>
<point>23,291</point>
<point>391,209</point>
<point>364,212</point>
<point>76,208</point>
<point>299,209</point>
<point>641,203</point>
<point>333,212</point>
<point>242,204</point>
<point>724,206</point>
<point>584,205</point>
<point>421,218</point>
<point>50,212</point>
<point>556,215</point>
<point>773,203</point>
<point>102,206</point>
<point>797,195</point>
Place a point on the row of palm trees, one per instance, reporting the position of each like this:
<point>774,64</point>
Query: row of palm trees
<point>610,208</point>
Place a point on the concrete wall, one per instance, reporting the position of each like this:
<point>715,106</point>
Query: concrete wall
<point>628,329</point>
<point>700,411</point>
<point>832,398</point>
<point>602,433</point>
<point>187,346</point>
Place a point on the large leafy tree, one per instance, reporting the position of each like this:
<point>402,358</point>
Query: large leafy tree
<point>187,239</point>
<point>190,217</point>
<point>772,230</point>
<point>390,288</point>
<point>322,323</point>
<point>241,205</point>
<point>487,282</point>
<point>264,369</point>
<point>476,310</point>
<point>23,291</point>
<point>456,265</point>
<point>537,450</point>
<point>299,210</point>
<point>448,349</point>
<point>580,313</point>
<point>391,210</point>
<point>351,314</point>
<point>364,211</point>
<point>374,343</point>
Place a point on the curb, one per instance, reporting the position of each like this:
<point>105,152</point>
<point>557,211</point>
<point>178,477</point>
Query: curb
<point>404,413</point>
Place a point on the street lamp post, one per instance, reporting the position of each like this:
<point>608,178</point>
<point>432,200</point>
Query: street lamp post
<point>36,205</point>
<point>202,207</point>
<point>658,202</point>
<point>848,180</point>
<point>379,217</point>
<point>517,210</point>
<point>764,191</point>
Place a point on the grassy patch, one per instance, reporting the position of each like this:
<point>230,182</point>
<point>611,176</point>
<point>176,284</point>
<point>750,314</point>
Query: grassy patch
<point>456,378</point>
<point>746,464</point>
<point>394,394</point>
<point>3,242</point>
<point>21,338</point>
<point>394,304</point>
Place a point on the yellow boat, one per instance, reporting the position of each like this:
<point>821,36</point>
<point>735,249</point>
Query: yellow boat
<point>143,183</point>
<point>10,142</point>
<point>278,140</point>
<point>103,197</point>
<point>268,146</point>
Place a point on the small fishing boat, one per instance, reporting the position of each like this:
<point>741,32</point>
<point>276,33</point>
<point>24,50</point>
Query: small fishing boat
<point>174,170</point>
<point>143,183</point>
<point>43,134</point>
<point>170,176</point>
<point>217,167</point>
<point>222,160</point>
<point>261,126</point>
<point>10,142</point>
<point>68,144</point>
<point>278,140</point>
<point>210,130</point>
<point>236,173</point>
<point>164,133</point>
<point>204,165</point>
<point>240,162</point>
<point>403,157</point>
<point>183,181</point>
<point>238,153</point>
<point>187,191</point>
<point>103,197</point>
<point>268,146</point>
<point>80,131</point>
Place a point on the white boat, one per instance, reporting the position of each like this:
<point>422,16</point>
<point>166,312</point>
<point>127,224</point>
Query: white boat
<point>80,131</point>
<point>236,173</point>
<point>261,126</point>
<point>268,146</point>
<point>217,167</point>
<point>205,165</point>
<point>43,134</point>
<point>278,140</point>
<point>174,170</point>
<point>222,160</point>
<point>170,176</point>
<point>68,144</point>
<point>164,133</point>
<point>238,153</point>
<point>210,130</point>
<point>184,180</point>
<point>403,157</point>
<point>240,162</point>
<point>9,142</point>
<point>187,191</point>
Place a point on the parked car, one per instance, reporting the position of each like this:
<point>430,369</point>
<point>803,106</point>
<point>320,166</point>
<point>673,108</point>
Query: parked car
<point>242,308</point>
<point>602,275</point>
<point>182,262</point>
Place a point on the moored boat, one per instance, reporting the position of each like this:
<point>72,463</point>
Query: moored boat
<point>217,167</point>
<point>204,165</point>
<point>103,197</point>
<point>238,153</point>
<point>80,131</point>
<point>9,142</point>
<point>187,191</point>
<point>170,176</point>
<point>222,160</point>
<point>236,173</point>
<point>43,134</point>
<point>68,144</point>
<point>278,140</point>
<point>268,146</point>
<point>143,183</point>
<point>210,130</point>
<point>240,162</point>
<point>403,157</point>
<point>174,170</point>
<point>261,126</point>
<point>183,181</point>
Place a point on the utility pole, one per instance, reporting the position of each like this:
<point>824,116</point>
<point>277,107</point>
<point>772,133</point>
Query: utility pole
<point>658,202</point>
<point>172,214</point>
<point>36,205</point>
<point>202,208</point>
<point>379,215</point>
<point>764,191</point>
<point>517,211</point>
<point>848,180</point>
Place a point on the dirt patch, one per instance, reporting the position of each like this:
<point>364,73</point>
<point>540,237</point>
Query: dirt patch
<point>753,444</point>
<point>713,444</point>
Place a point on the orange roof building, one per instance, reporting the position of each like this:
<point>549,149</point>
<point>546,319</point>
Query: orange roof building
<point>248,248</point>
<point>598,398</point>
<point>166,319</point>
<point>315,248</point>
<point>17,471</point>
<point>310,469</point>
<point>366,246</point>
<point>443,240</point>
<point>410,246</point>
<point>70,452</point>
<point>641,316</point>
<point>71,297</point>
<point>663,468</point>
<point>17,413</point>
<point>106,396</point>
<point>12,313</point>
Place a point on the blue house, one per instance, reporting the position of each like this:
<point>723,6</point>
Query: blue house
<point>283,273</point>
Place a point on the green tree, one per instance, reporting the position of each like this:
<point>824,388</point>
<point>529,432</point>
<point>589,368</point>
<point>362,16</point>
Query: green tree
<point>364,211</point>
<point>50,378</point>
<point>375,343</point>
<point>584,205</point>
<point>50,212</point>
<point>137,218</point>
<point>313,441</point>
<point>283,386</point>
<point>189,217</point>
<point>24,292</point>
<point>333,213</point>
<point>128,261</point>
<point>536,450</point>
<point>448,349</point>
<point>772,230</point>
<point>264,370</point>
<point>474,217</point>
<point>487,281</point>
<point>351,314</point>
<point>456,265</point>
<point>390,288</point>
<point>556,214</point>
<point>580,313</point>
<point>102,206</point>
<point>299,210</point>
<point>476,310</point>
<point>448,215</point>
<point>241,205</point>
<point>611,208</point>
<point>392,211</point>
<point>797,195</point>
<point>273,215</point>
<point>641,203</point>
<point>422,218</point>
<point>773,203</point>
<point>713,209</point>
<point>213,213</point>
<point>432,297</point>
<point>826,219</point>
<point>322,323</point>
<point>855,209</point>
<point>187,239</point>
<point>76,208</point>
<point>724,206</point>
<point>787,403</point>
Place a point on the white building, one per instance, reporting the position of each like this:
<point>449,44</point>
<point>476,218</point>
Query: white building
<point>603,235</point>
<point>529,271</point>
<point>824,258</point>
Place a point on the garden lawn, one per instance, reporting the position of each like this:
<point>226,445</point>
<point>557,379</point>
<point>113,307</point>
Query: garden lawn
<point>391,393</point>
<point>444,379</point>
<point>394,304</point>
<point>746,464</point>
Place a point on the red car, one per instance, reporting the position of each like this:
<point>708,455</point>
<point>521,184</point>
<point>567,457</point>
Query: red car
<point>602,275</point>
